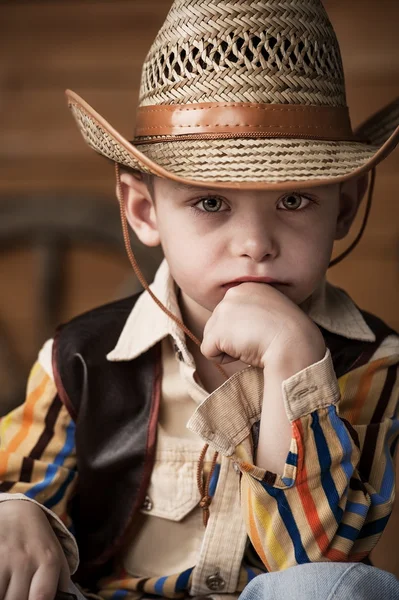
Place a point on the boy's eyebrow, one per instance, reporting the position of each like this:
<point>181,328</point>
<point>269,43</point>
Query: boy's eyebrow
<point>193,188</point>
<point>190,188</point>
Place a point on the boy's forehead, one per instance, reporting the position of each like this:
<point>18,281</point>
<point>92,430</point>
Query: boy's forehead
<point>182,187</point>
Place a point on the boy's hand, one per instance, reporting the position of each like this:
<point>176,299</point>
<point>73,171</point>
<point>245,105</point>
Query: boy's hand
<point>32,563</point>
<point>258,325</point>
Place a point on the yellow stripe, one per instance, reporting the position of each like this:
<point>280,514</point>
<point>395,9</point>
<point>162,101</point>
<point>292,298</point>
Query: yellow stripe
<point>27,422</point>
<point>8,419</point>
<point>269,539</point>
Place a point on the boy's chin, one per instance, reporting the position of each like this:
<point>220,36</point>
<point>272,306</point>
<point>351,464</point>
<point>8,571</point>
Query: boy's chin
<point>196,304</point>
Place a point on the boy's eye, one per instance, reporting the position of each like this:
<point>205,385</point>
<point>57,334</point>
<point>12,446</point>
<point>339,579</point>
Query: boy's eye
<point>294,201</point>
<point>210,204</point>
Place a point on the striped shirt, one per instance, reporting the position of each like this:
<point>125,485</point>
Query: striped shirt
<point>331,503</point>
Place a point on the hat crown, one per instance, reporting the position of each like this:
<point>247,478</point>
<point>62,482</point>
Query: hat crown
<point>262,51</point>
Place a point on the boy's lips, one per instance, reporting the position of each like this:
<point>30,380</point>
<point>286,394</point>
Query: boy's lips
<point>240,280</point>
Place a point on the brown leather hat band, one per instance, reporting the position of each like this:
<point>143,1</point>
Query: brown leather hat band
<point>258,120</point>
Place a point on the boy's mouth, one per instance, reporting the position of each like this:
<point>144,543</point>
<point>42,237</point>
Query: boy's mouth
<point>268,280</point>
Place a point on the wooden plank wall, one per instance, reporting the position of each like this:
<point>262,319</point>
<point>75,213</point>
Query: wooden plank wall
<point>96,48</point>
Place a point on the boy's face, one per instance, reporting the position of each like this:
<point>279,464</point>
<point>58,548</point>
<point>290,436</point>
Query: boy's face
<point>212,238</point>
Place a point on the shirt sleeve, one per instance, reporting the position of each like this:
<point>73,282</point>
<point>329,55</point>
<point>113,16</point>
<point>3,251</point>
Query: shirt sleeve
<point>336,492</point>
<point>37,456</point>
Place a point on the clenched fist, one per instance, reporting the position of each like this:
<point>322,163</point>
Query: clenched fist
<point>255,323</point>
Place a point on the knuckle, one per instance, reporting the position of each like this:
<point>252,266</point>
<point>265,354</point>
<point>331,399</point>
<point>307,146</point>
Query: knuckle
<point>205,349</point>
<point>51,558</point>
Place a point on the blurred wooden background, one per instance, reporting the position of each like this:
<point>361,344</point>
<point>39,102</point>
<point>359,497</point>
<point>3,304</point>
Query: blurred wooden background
<point>96,48</point>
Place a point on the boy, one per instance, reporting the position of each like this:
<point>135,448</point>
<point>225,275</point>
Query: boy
<point>299,421</point>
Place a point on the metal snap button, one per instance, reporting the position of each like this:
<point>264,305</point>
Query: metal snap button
<point>215,582</point>
<point>236,468</point>
<point>147,504</point>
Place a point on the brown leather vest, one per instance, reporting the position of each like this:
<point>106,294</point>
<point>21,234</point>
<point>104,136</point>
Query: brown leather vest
<point>115,407</point>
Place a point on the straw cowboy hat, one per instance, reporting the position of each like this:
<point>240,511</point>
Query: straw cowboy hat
<point>245,94</point>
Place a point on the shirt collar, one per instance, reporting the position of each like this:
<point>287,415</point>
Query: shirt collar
<point>147,324</point>
<point>329,307</point>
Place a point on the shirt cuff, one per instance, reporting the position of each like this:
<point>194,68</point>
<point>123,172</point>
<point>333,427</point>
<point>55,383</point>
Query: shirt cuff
<point>226,416</point>
<point>65,538</point>
<point>312,388</point>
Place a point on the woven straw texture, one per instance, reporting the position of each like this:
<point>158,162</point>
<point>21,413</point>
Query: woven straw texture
<point>268,51</point>
<point>252,51</point>
<point>235,160</point>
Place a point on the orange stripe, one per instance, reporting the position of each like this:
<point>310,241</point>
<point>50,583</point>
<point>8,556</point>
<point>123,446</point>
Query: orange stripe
<point>254,533</point>
<point>337,555</point>
<point>313,517</point>
<point>27,420</point>
<point>307,501</point>
<point>364,388</point>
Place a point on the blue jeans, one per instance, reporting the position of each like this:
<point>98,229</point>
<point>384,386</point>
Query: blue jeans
<point>324,581</point>
<point>318,581</point>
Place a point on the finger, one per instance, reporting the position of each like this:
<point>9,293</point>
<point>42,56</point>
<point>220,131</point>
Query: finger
<point>18,587</point>
<point>5,578</point>
<point>211,351</point>
<point>209,348</point>
<point>44,582</point>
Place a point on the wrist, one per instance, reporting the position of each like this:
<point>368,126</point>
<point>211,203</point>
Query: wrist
<point>299,348</point>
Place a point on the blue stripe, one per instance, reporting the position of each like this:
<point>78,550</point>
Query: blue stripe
<point>58,496</point>
<point>345,439</point>
<point>52,469</point>
<point>182,580</point>
<point>357,508</point>
<point>214,480</point>
<point>119,595</point>
<point>158,587</point>
<point>348,532</point>
<point>324,456</point>
<point>288,481</point>
<point>374,527</point>
<point>251,574</point>
<point>292,459</point>
<point>289,521</point>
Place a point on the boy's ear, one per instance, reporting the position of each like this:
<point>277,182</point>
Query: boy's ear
<point>140,209</point>
<point>350,196</point>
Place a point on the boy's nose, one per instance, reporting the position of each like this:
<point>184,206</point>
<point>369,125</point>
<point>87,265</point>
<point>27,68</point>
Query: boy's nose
<point>256,244</point>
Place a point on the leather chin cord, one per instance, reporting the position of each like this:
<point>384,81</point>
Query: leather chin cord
<point>202,482</point>
<point>363,226</point>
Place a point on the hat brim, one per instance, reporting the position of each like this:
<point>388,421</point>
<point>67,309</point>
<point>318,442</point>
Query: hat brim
<point>244,163</point>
